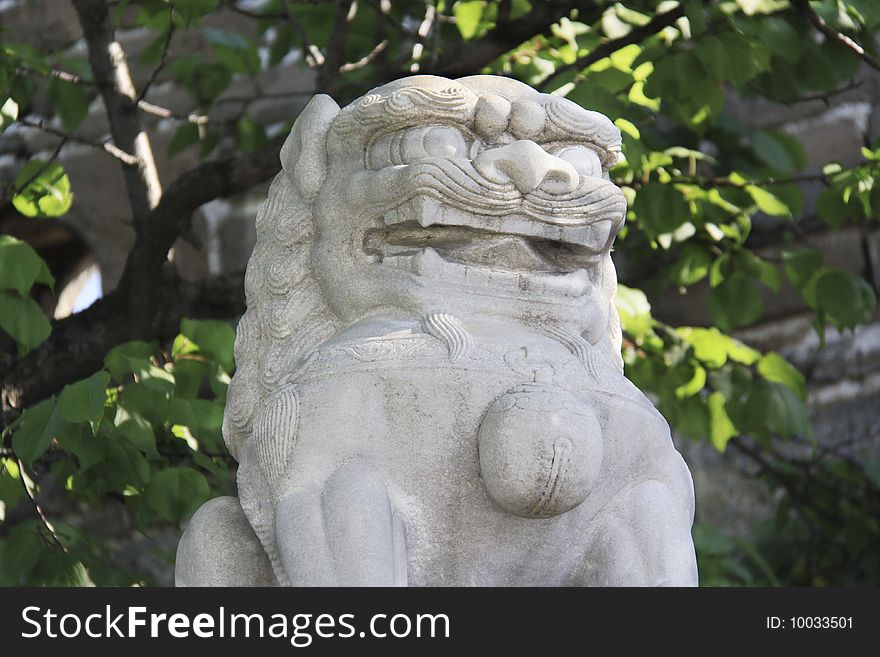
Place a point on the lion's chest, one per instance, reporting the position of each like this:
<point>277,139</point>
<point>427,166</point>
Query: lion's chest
<point>421,419</point>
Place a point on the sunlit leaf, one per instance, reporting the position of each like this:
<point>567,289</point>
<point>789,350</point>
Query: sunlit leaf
<point>44,190</point>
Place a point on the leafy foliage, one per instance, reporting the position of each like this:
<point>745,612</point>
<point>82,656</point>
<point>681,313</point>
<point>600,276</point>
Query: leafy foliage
<point>44,190</point>
<point>20,316</point>
<point>144,431</point>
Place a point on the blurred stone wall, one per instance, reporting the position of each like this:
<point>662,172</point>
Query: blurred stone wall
<point>843,377</point>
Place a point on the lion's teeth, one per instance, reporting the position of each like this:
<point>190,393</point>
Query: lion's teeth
<point>428,261</point>
<point>426,211</point>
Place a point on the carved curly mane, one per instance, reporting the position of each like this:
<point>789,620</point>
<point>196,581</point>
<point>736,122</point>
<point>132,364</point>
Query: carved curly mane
<point>286,316</point>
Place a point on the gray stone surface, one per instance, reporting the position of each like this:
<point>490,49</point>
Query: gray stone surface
<point>429,387</point>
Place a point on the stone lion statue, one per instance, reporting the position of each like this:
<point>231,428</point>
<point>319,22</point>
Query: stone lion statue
<point>429,387</point>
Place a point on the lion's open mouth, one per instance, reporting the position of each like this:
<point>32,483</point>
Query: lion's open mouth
<point>435,239</point>
<point>398,243</point>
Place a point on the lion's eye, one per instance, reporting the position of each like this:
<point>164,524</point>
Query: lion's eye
<point>415,145</point>
<point>585,160</point>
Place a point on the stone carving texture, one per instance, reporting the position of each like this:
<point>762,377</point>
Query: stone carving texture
<point>429,387</point>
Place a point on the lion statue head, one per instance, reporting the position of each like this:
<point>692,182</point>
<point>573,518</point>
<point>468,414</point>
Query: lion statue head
<point>476,195</point>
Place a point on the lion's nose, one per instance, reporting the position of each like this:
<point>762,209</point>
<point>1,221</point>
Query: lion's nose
<point>528,167</point>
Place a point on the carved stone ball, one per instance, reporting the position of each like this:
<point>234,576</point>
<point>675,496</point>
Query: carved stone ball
<point>540,451</point>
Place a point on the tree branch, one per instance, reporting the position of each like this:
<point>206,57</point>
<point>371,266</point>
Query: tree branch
<point>424,30</point>
<point>143,105</point>
<point>31,492</point>
<point>166,47</point>
<point>820,24</point>
<point>14,189</point>
<point>150,299</point>
<point>78,343</point>
<point>107,147</point>
<point>383,9</point>
<point>637,35</point>
<point>365,60</point>
<point>114,83</point>
<point>724,181</point>
<point>824,97</point>
<point>470,57</point>
<point>334,56</point>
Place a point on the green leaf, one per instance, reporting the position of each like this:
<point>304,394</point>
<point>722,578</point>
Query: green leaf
<point>693,10</point>
<point>44,190</point>
<point>251,135</point>
<point>190,374</point>
<point>184,137</point>
<point>83,401</point>
<point>867,11</point>
<point>769,275</point>
<point>752,7</point>
<point>134,428</point>
<point>36,428</point>
<point>89,448</point>
<point>634,310</point>
<point>774,409</point>
<point>234,50</point>
<point>833,209</point>
<point>8,112</point>
<point>151,403</point>
<point>781,152</point>
<point>71,102</point>
<point>20,266</point>
<point>192,10</point>
<point>713,348</point>
<point>136,358</point>
<point>801,265</point>
<point>735,302</point>
<point>790,195</point>
<point>692,265</point>
<point>208,414</point>
<point>660,208</point>
<point>731,58</point>
<point>59,568</point>
<point>695,385</point>
<point>176,493</point>
<point>11,490</point>
<point>21,552</point>
<point>180,412</point>
<point>713,56</point>
<point>774,367</point>
<point>213,337</point>
<point>24,320</point>
<point>721,428</point>
<point>767,202</point>
<point>125,467</point>
<point>127,358</point>
<point>204,80</point>
<point>757,267</point>
<point>847,300</point>
<point>467,17</point>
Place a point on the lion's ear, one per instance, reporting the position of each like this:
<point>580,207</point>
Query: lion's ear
<point>304,154</point>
